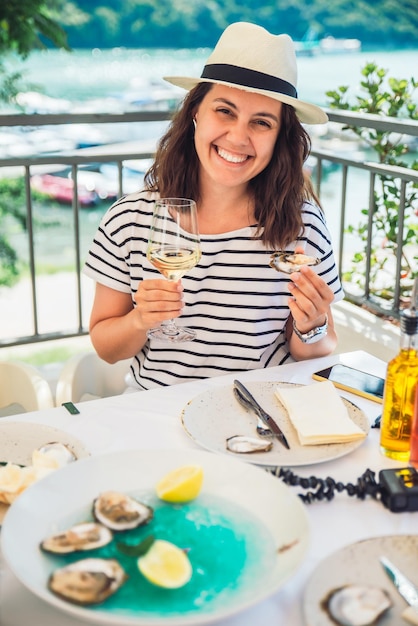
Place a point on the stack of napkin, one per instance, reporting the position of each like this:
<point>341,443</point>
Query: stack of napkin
<point>318,414</point>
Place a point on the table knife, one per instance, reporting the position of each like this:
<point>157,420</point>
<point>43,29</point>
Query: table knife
<point>406,589</point>
<point>265,417</point>
<point>261,428</point>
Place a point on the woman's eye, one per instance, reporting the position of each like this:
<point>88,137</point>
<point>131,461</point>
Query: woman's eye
<point>263,123</point>
<point>224,111</point>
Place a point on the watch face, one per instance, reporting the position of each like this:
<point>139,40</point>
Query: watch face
<point>314,335</point>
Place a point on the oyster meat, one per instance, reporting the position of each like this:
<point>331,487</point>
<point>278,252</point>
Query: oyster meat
<point>242,444</point>
<point>80,537</point>
<point>357,605</point>
<point>58,452</point>
<point>288,263</point>
<point>88,581</point>
<point>119,511</point>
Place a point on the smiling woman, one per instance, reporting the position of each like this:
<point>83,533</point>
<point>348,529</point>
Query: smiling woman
<point>236,147</point>
<point>235,138</point>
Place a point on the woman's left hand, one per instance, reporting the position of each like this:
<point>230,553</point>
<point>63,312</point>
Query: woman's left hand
<point>310,301</point>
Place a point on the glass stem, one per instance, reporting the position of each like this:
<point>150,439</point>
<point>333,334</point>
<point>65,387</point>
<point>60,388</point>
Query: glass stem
<point>170,328</point>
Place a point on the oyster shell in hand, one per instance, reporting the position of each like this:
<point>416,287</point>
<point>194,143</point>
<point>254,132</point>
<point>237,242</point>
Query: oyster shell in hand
<point>88,581</point>
<point>247,445</point>
<point>357,605</point>
<point>291,262</point>
<point>80,537</point>
<point>119,511</point>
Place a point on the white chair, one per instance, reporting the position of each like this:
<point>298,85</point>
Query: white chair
<point>86,377</point>
<point>22,389</point>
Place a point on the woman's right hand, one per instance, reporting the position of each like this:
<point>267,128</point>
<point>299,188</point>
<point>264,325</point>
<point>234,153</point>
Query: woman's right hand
<point>118,330</point>
<point>158,300</point>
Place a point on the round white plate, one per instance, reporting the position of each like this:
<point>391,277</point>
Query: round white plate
<point>19,439</point>
<point>215,415</point>
<point>61,497</point>
<point>358,563</point>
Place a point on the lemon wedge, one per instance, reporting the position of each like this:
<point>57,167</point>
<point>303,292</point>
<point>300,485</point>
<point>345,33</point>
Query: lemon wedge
<point>181,485</point>
<point>14,479</point>
<point>165,565</point>
<point>11,482</point>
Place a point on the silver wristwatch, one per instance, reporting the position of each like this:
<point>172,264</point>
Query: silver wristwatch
<point>314,335</point>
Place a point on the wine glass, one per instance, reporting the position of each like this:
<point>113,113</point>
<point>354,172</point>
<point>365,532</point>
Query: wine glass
<point>173,248</point>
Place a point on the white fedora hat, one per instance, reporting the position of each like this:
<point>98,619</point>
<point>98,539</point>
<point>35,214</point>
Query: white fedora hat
<point>248,57</point>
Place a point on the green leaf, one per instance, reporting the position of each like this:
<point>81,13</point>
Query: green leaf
<point>138,549</point>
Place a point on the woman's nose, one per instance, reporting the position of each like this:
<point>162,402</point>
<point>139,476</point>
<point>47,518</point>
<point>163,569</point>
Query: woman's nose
<point>238,133</point>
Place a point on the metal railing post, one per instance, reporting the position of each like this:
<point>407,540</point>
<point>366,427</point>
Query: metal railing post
<point>31,246</point>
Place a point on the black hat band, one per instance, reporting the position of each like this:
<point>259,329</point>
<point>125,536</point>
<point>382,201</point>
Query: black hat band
<point>248,78</point>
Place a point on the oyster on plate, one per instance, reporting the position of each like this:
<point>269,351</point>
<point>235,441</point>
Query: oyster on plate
<point>247,445</point>
<point>357,605</point>
<point>291,262</point>
<point>58,452</point>
<point>80,537</point>
<point>88,581</point>
<point>119,511</point>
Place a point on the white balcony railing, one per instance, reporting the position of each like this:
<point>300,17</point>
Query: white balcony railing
<point>339,213</point>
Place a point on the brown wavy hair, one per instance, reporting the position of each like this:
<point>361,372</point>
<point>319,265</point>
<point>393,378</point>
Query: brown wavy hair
<point>279,191</point>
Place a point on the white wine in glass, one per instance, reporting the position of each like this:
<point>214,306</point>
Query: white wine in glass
<point>174,249</point>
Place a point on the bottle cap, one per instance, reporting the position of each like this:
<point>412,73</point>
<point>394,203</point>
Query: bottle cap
<point>409,322</point>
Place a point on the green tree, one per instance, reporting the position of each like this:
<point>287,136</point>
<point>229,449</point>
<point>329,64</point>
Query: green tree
<point>167,24</point>
<point>26,25</point>
<point>12,193</point>
<point>388,97</point>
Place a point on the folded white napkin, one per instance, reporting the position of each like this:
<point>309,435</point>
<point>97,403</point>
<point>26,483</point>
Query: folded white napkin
<point>318,414</point>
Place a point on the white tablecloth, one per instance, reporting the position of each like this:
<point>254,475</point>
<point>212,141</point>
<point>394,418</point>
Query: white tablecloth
<point>151,419</point>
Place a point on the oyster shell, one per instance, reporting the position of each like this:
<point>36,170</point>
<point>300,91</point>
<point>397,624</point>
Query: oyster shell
<point>84,536</point>
<point>119,511</point>
<point>291,262</point>
<point>59,452</point>
<point>357,605</point>
<point>88,581</point>
<point>242,444</point>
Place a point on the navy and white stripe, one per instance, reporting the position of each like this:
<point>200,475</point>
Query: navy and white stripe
<point>234,300</point>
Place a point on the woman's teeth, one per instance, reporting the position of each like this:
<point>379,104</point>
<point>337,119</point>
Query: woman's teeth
<point>231,158</point>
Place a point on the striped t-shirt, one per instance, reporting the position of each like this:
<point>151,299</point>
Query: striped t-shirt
<point>234,300</point>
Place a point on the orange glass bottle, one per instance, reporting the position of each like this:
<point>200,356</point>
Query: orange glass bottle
<point>413,457</point>
<point>400,384</point>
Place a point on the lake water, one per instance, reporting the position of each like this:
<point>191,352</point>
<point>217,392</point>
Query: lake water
<point>87,74</point>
